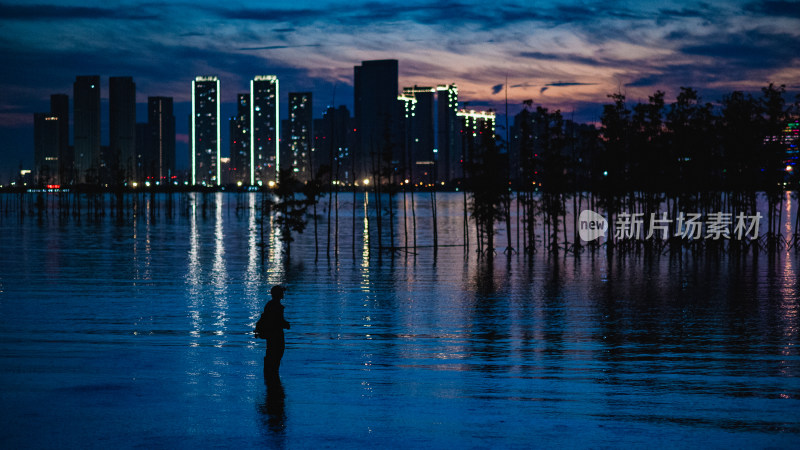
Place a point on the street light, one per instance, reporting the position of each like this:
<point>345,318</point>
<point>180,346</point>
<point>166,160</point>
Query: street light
<point>366,181</point>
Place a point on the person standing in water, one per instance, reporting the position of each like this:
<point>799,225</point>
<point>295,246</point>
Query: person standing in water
<point>270,327</point>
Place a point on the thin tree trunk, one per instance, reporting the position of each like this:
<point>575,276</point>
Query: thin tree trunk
<point>433,213</point>
<point>405,215</point>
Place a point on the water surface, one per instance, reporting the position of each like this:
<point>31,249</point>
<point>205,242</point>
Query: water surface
<point>138,333</point>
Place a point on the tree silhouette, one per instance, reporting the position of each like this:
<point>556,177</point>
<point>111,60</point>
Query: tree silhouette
<point>290,210</point>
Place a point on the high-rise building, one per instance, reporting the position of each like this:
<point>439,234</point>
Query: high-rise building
<point>300,123</point>
<point>159,163</point>
<point>377,115</point>
<point>46,141</point>
<point>143,152</point>
<point>205,147</point>
<point>422,143</point>
<point>334,138</point>
<point>408,129</point>
<point>429,133</point>
<point>239,127</point>
<point>265,134</point>
<point>122,129</point>
<point>475,126</point>
<point>59,107</point>
<point>447,142</point>
<point>86,128</point>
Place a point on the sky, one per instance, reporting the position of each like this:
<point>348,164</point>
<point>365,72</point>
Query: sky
<point>566,55</point>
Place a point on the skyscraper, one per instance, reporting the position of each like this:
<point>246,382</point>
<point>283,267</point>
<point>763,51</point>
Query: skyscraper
<point>334,138</point>
<point>300,122</point>
<point>59,107</point>
<point>429,134</point>
<point>205,146</point>
<point>377,114</point>
<point>144,153</point>
<point>421,145</point>
<point>239,126</point>
<point>46,140</point>
<point>408,129</point>
<point>265,160</point>
<point>160,161</point>
<point>86,128</point>
<point>122,129</point>
<point>474,127</point>
<point>447,142</point>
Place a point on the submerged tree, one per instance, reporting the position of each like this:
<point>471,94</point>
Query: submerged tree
<point>553,164</point>
<point>312,191</point>
<point>290,208</point>
<point>487,185</point>
<point>615,167</point>
<point>774,115</point>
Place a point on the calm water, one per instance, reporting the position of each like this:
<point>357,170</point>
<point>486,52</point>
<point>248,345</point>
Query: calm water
<point>139,334</point>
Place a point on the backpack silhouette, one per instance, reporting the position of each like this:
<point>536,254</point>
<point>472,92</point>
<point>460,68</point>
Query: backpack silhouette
<point>262,327</point>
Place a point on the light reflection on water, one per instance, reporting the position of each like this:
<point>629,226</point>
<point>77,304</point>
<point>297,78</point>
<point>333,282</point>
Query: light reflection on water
<point>106,319</point>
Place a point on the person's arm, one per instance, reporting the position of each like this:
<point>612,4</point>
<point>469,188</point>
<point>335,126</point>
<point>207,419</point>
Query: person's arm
<point>285,323</point>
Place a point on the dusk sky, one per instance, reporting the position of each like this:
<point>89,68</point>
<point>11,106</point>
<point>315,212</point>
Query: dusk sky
<point>564,55</point>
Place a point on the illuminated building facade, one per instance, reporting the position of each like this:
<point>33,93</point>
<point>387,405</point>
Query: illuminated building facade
<point>46,140</point>
<point>408,108</point>
<point>86,128</point>
<point>791,139</point>
<point>205,145</point>
<point>239,127</point>
<point>300,133</point>
<point>430,132</point>
<point>122,129</point>
<point>420,137</point>
<point>447,131</point>
<point>265,160</point>
<point>474,125</point>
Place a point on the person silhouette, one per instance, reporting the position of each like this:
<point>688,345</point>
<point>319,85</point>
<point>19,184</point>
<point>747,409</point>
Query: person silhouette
<point>271,326</point>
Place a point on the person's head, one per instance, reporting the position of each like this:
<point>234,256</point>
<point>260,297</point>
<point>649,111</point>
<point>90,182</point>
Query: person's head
<point>277,292</point>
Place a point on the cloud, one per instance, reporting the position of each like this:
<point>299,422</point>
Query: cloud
<point>646,81</point>
<point>749,49</point>
<point>278,47</point>
<point>38,12</point>
<point>774,8</point>
<point>563,57</point>
<point>701,10</point>
<point>563,84</point>
<point>497,88</point>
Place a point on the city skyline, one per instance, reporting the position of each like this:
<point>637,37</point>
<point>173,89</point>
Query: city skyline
<point>563,55</point>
